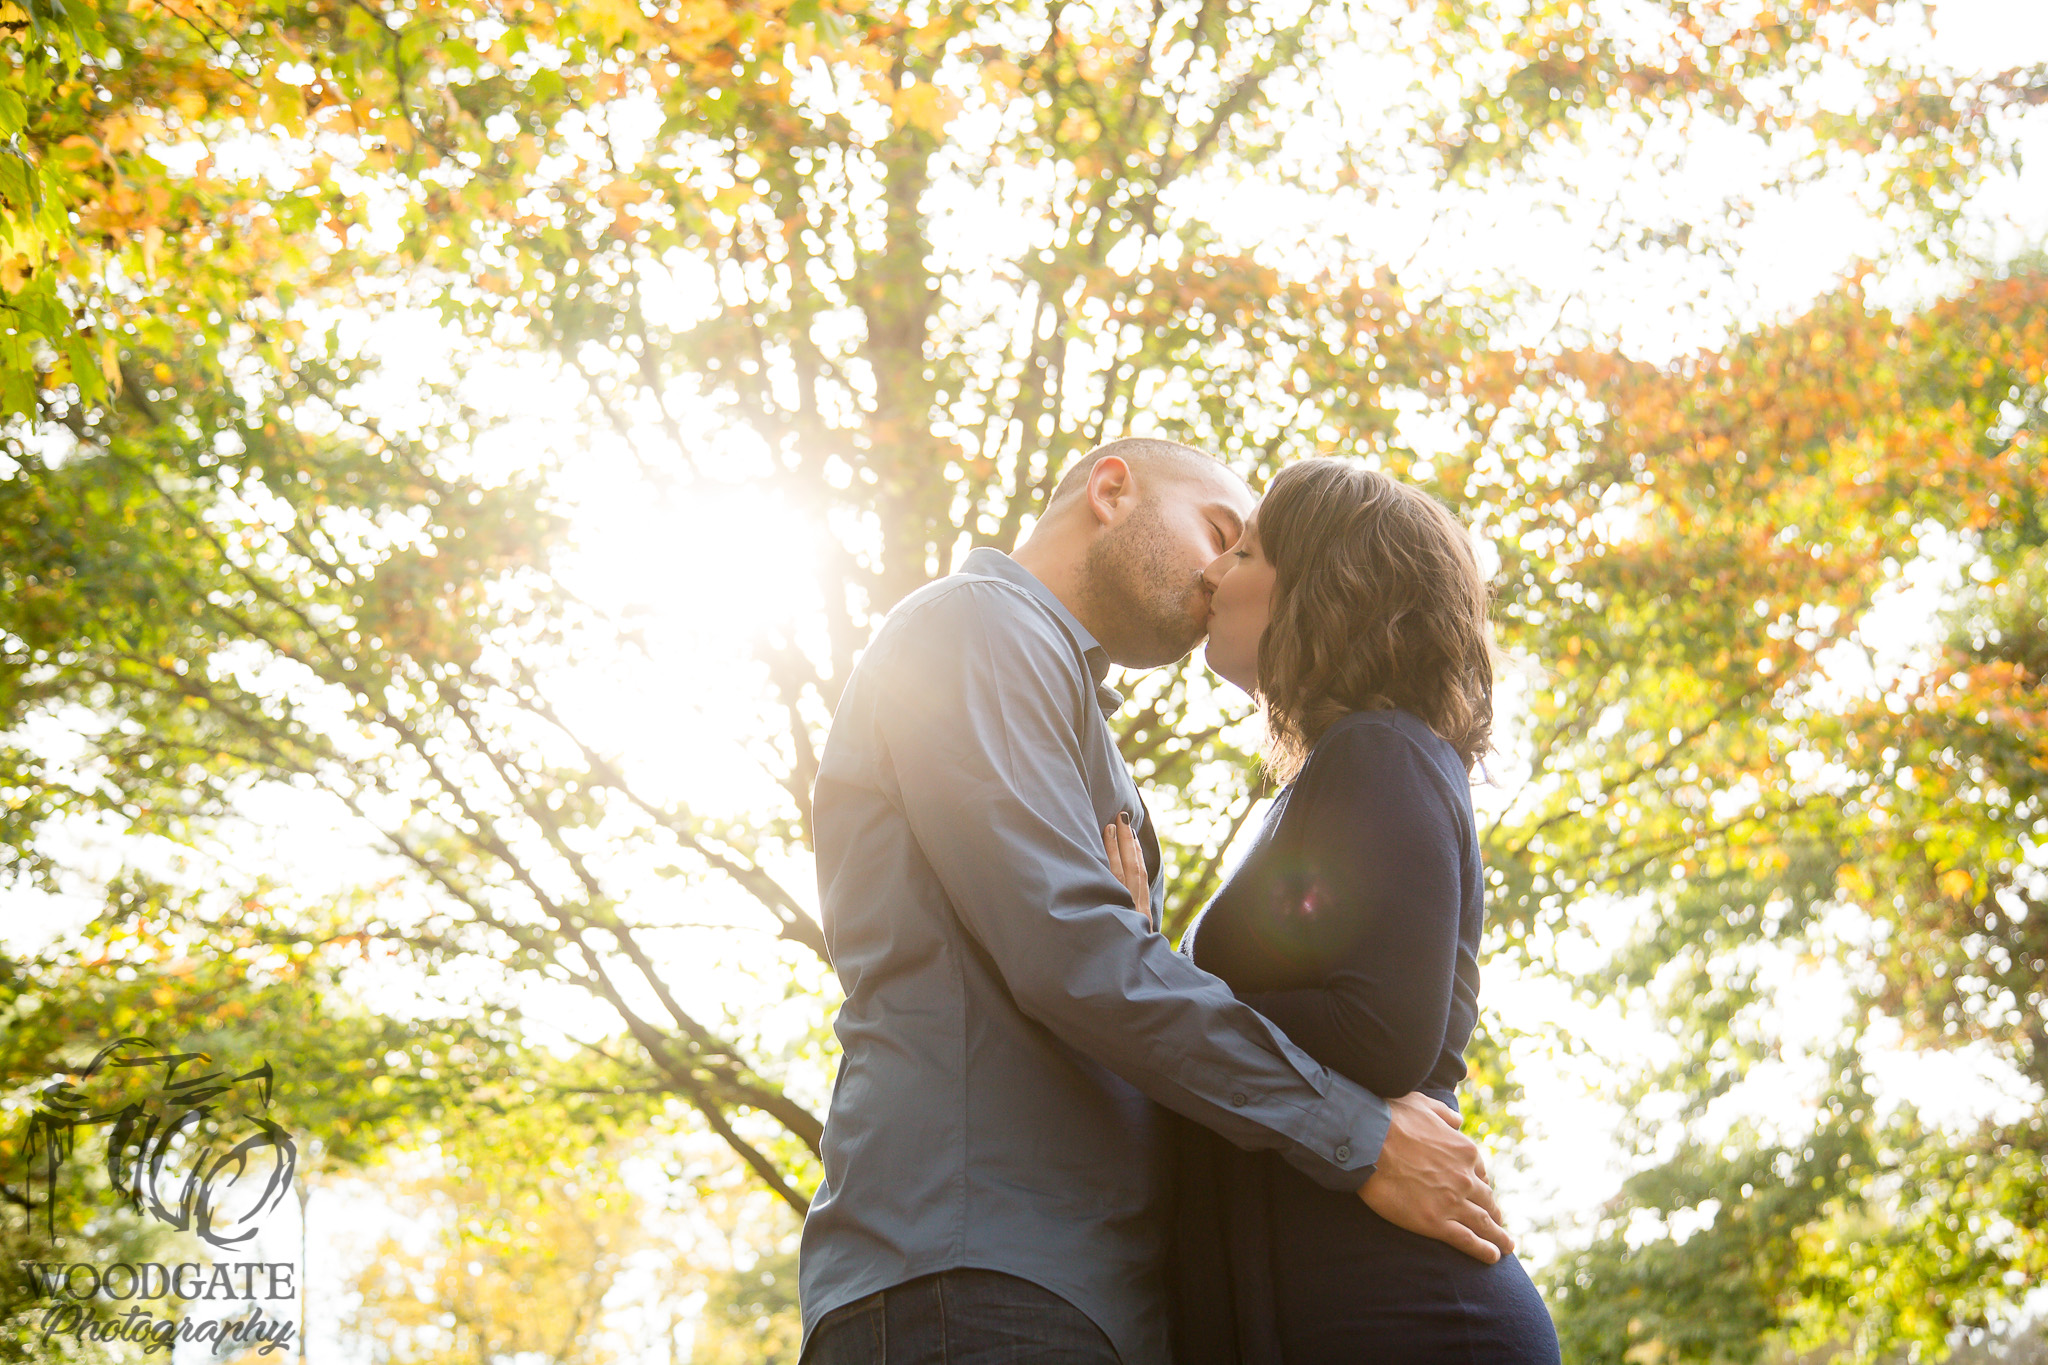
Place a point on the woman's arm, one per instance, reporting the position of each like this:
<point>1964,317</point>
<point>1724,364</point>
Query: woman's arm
<point>1374,904</point>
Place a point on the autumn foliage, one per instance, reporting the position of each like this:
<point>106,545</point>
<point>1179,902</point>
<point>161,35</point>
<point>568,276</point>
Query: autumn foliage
<point>888,267</point>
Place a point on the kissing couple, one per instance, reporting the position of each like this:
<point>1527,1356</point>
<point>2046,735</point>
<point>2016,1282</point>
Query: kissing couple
<point>1053,1138</point>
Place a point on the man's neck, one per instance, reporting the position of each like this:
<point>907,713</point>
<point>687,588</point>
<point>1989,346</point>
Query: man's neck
<point>1058,566</point>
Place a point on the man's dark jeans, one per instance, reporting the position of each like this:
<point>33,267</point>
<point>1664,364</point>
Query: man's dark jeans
<point>960,1317</point>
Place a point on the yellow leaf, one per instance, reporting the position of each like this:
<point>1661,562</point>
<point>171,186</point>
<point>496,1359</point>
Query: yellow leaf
<point>1001,79</point>
<point>923,106</point>
<point>729,199</point>
<point>121,132</point>
<point>612,18</point>
<point>621,191</point>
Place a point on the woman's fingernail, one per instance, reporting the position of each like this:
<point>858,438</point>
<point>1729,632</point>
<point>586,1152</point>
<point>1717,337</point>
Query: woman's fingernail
<point>1123,817</point>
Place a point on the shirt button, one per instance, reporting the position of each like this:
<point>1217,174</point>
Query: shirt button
<point>1237,1100</point>
<point>1344,1152</point>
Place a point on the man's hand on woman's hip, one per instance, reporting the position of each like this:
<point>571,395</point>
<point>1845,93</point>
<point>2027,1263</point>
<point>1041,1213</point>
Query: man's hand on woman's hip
<point>1431,1179</point>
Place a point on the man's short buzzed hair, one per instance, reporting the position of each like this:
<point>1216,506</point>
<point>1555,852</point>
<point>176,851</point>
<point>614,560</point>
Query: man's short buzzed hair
<point>1146,456</point>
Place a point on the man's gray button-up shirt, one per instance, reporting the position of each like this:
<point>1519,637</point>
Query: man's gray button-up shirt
<point>1010,1016</point>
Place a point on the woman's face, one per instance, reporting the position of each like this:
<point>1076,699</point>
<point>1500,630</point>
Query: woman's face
<point>1241,601</point>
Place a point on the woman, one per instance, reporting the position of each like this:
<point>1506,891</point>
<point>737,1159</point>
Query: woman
<point>1354,611</point>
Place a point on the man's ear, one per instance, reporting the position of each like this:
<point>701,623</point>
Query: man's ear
<point>1112,489</point>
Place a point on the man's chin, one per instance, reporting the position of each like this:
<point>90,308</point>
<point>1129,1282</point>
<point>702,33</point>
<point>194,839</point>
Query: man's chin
<point>1158,652</point>
<point>1140,661</point>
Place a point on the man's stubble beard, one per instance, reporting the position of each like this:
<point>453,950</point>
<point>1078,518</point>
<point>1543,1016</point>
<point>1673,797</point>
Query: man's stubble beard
<point>1147,611</point>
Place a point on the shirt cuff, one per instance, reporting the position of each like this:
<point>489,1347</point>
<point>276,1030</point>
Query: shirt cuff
<point>1353,1125</point>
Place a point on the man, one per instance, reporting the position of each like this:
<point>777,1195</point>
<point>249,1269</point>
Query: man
<point>993,1159</point>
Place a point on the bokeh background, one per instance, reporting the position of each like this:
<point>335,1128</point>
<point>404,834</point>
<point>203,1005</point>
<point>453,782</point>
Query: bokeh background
<point>454,450</point>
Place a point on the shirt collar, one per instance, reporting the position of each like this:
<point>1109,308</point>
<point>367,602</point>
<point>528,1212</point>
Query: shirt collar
<point>988,560</point>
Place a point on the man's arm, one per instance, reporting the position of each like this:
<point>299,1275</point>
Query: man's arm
<point>979,723</point>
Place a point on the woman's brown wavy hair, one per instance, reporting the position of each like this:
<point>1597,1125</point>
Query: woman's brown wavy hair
<point>1378,602</point>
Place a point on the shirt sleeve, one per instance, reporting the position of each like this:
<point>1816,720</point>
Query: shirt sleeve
<point>980,721</point>
<point>1374,838</point>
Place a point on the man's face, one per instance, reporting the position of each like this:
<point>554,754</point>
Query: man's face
<point>1143,576</point>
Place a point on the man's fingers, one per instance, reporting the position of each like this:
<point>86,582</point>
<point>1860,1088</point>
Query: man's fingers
<point>1472,1244</point>
<point>1444,1111</point>
<point>1482,1195</point>
<point>1486,1226</point>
